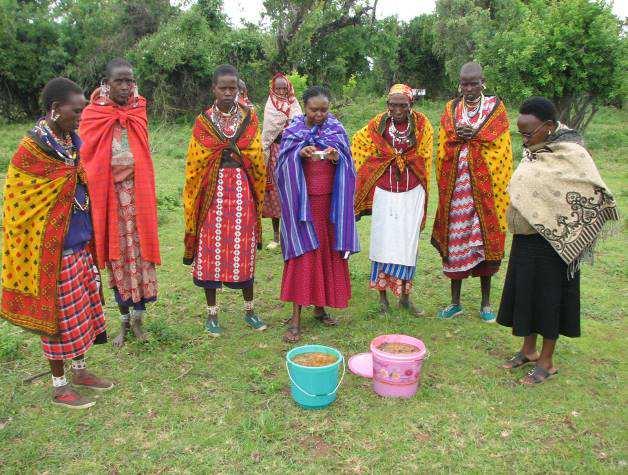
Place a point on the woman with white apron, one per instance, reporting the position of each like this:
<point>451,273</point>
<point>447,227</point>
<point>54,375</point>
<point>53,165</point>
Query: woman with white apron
<point>393,156</point>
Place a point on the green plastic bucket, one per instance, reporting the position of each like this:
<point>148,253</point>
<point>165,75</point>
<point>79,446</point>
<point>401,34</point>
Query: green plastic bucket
<point>314,387</point>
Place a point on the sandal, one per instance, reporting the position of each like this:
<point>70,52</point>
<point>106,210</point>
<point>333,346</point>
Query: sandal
<point>327,320</point>
<point>292,335</point>
<point>537,375</point>
<point>517,361</point>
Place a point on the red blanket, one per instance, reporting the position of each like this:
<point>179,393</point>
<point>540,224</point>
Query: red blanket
<point>96,130</point>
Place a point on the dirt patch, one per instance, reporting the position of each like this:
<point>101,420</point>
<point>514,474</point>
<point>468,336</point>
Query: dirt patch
<point>316,445</point>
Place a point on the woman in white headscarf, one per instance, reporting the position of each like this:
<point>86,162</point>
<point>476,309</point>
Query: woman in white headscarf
<point>281,106</point>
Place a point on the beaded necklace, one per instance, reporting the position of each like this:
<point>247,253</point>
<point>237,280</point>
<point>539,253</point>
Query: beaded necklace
<point>227,122</point>
<point>70,149</point>
<point>399,139</point>
<point>467,114</point>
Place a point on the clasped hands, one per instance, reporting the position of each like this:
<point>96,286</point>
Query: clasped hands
<point>465,132</point>
<point>308,151</point>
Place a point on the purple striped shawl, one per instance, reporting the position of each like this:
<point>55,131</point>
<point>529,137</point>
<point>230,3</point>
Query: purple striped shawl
<point>297,230</point>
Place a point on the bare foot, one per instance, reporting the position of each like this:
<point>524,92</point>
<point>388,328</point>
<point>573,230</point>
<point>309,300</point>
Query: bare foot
<point>118,342</point>
<point>293,334</point>
<point>407,305</point>
<point>384,306</point>
<point>136,328</point>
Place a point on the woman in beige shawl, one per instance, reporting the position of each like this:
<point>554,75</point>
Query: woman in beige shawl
<point>558,207</point>
<point>281,106</point>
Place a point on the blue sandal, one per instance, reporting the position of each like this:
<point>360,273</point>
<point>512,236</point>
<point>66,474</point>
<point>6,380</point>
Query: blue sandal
<point>213,327</point>
<point>487,315</point>
<point>255,322</point>
<point>450,312</point>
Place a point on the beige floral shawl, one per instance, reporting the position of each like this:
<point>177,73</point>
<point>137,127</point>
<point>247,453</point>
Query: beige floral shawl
<point>559,191</point>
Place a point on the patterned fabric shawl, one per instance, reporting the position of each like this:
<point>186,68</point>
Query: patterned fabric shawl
<point>373,154</point>
<point>277,114</point>
<point>490,168</point>
<point>558,190</point>
<point>297,230</point>
<point>201,172</point>
<point>97,123</point>
<point>38,196</point>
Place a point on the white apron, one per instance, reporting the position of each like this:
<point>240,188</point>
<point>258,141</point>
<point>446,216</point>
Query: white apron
<point>395,225</point>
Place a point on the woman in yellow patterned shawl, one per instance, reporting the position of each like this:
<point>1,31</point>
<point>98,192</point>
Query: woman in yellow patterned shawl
<point>393,156</point>
<point>473,168</point>
<point>49,281</point>
<point>225,179</point>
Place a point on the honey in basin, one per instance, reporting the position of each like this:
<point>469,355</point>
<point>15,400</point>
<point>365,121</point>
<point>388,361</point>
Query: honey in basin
<point>398,348</point>
<point>314,359</point>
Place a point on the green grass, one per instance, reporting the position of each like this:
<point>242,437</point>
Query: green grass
<point>188,403</point>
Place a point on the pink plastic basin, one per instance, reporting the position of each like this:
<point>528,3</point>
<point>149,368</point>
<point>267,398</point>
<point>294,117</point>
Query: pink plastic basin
<point>397,375</point>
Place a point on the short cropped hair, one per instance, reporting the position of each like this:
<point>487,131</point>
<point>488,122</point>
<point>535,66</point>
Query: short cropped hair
<point>58,90</point>
<point>541,108</point>
<point>116,63</point>
<point>224,70</point>
<point>315,91</point>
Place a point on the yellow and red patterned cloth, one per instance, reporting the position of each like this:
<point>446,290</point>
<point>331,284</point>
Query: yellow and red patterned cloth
<point>373,155</point>
<point>489,158</point>
<point>38,197</point>
<point>201,172</point>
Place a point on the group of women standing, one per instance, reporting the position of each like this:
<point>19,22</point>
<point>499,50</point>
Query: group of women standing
<point>75,203</point>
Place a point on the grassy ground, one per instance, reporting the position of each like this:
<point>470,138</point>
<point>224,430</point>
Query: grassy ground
<point>188,403</point>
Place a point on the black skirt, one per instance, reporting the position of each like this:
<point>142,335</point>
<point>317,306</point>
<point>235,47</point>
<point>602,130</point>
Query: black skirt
<point>538,298</point>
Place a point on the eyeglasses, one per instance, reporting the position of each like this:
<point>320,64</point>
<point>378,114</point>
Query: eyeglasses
<point>529,135</point>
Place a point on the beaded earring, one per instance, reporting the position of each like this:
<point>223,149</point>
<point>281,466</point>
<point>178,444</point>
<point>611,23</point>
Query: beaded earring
<point>104,89</point>
<point>54,116</point>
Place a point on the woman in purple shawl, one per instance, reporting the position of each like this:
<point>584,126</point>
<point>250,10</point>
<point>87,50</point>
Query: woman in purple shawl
<point>316,183</point>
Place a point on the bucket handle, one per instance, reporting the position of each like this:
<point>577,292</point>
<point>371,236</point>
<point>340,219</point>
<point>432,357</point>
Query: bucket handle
<point>344,370</point>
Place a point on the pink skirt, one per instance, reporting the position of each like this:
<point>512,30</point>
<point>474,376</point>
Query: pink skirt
<point>319,277</point>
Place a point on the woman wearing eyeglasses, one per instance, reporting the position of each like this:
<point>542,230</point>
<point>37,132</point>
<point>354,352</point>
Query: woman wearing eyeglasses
<point>558,207</point>
<point>393,156</point>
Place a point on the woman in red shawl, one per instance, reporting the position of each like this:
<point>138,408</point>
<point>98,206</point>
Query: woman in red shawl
<point>118,163</point>
<point>281,106</point>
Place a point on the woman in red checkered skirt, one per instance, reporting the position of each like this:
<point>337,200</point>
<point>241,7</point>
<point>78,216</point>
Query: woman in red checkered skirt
<point>49,282</point>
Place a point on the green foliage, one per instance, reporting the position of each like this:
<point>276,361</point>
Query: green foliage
<point>569,51</point>
<point>299,83</point>
<point>30,54</point>
<point>418,65</point>
<point>174,65</point>
<point>92,33</point>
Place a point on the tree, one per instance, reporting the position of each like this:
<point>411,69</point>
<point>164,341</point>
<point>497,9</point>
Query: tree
<point>301,26</point>
<point>569,51</point>
<point>92,33</point>
<point>418,65</point>
<point>30,55</point>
